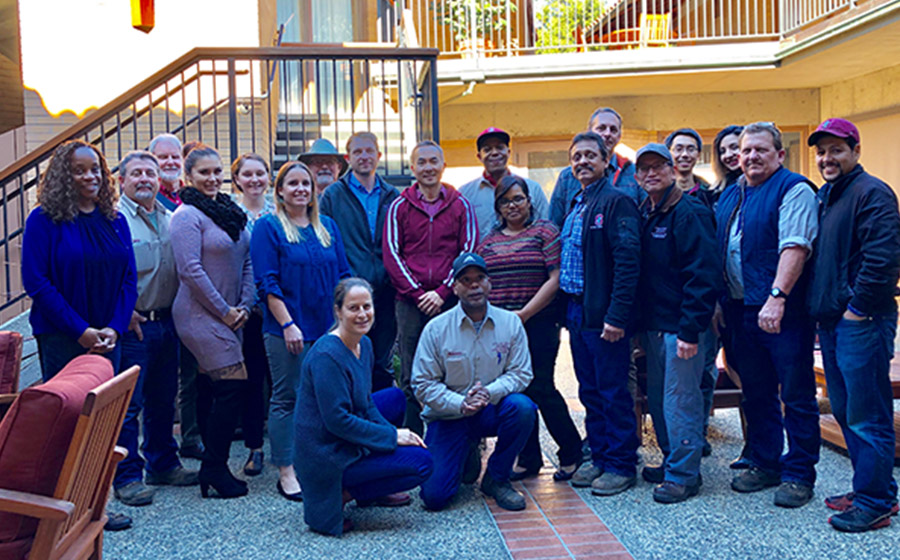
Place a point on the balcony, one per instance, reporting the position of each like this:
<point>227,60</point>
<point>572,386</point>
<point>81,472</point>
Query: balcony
<point>466,29</point>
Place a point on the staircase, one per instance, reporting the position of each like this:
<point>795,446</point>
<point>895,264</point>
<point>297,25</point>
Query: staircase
<point>273,101</point>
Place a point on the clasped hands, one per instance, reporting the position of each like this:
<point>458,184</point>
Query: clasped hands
<point>477,398</point>
<point>430,303</point>
<point>98,341</point>
<point>236,317</point>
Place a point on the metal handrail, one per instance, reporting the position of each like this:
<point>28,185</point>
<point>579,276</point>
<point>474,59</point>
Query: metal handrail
<point>389,91</point>
<point>172,70</point>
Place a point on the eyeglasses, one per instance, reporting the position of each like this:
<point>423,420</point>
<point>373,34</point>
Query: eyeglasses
<point>516,200</point>
<point>681,149</point>
<point>644,169</point>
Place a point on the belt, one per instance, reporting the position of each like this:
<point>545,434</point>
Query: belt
<point>157,314</point>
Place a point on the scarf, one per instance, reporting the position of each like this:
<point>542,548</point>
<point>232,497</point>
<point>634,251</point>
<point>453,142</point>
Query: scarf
<point>223,211</point>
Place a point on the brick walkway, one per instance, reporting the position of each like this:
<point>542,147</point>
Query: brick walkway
<point>556,524</point>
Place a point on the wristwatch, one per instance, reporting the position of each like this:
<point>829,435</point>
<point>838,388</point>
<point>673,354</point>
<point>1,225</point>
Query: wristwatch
<point>778,293</point>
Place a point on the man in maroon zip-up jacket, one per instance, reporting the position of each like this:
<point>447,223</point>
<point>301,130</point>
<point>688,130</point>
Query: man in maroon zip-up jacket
<point>426,228</point>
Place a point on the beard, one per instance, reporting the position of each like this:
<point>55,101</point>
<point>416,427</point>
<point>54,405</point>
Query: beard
<point>170,177</point>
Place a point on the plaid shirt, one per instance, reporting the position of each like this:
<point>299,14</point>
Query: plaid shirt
<point>571,273</point>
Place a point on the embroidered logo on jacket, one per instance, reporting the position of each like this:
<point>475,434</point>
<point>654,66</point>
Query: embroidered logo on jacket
<point>659,232</point>
<point>598,222</point>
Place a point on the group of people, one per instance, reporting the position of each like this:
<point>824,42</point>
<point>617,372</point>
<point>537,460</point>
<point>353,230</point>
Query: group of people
<point>314,288</point>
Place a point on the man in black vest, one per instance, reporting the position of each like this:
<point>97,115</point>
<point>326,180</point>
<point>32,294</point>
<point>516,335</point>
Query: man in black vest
<point>358,203</point>
<point>767,222</point>
<point>852,289</point>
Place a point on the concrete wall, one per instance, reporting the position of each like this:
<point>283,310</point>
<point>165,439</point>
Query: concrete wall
<point>640,113</point>
<point>872,102</point>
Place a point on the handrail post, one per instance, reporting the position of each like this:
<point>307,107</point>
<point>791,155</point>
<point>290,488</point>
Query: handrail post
<point>473,29</point>
<point>232,111</point>
<point>435,118</point>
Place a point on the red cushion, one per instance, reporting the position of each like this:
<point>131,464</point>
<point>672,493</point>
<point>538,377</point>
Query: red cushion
<point>36,432</point>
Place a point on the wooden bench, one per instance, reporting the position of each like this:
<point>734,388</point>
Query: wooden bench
<point>831,431</point>
<point>727,393</point>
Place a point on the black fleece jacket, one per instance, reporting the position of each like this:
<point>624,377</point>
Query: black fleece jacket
<point>612,256</point>
<point>680,269</point>
<point>857,253</point>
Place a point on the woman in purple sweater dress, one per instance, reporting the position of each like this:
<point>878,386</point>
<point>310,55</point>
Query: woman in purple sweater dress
<point>212,255</point>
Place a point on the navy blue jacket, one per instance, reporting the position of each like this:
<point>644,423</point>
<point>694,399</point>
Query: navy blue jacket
<point>757,208</point>
<point>857,252</point>
<point>680,269</point>
<point>612,256</point>
<point>364,255</point>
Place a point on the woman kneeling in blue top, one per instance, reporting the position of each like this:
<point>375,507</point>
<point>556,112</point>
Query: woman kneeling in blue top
<point>345,449</point>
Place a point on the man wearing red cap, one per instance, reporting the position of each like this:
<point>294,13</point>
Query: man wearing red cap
<point>851,296</point>
<point>493,153</point>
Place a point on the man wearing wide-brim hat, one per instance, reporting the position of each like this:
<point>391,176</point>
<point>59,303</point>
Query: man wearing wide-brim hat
<point>325,162</point>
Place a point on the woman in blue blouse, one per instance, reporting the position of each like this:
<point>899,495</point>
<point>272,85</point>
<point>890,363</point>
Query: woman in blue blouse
<point>77,261</point>
<point>346,447</point>
<point>298,258</point>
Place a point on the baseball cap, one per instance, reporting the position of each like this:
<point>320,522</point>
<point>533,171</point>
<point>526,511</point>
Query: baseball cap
<point>842,128</point>
<point>466,260</point>
<point>492,132</point>
<point>654,148</point>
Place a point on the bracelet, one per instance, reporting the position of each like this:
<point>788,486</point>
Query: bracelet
<point>286,325</point>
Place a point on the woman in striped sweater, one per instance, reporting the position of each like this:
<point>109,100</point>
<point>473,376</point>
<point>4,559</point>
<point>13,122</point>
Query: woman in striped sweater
<point>522,256</point>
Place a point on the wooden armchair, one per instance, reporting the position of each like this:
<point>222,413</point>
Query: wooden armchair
<point>70,522</point>
<point>10,364</point>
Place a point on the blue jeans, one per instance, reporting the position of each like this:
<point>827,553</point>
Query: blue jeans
<point>766,362</point>
<point>391,403</point>
<point>857,357</point>
<point>285,369</point>
<point>710,341</point>
<point>676,404</point>
<point>380,474</point>
<point>55,350</point>
<point>601,368</point>
<point>154,394</point>
<point>511,420</point>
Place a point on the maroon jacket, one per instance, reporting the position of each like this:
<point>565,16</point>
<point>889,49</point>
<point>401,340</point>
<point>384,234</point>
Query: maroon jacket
<point>419,250</point>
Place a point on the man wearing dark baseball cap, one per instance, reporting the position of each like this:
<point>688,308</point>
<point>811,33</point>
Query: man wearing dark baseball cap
<point>851,296</point>
<point>493,152</point>
<point>471,367</point>
<point>677,290</point>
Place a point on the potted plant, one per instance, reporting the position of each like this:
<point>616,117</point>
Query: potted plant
<point>475,23</point>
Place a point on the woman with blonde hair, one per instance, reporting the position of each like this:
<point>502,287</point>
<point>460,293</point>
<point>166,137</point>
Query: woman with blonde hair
<point>298,259</point>
<point>77,261</point>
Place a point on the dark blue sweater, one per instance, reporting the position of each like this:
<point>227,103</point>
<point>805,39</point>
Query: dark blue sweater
<point>336,423</point>
<point>79,274</point>
<point>363,253</point>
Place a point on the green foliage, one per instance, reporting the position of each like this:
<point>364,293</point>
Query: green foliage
<point>562,22</point>
<point>489,15</point>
